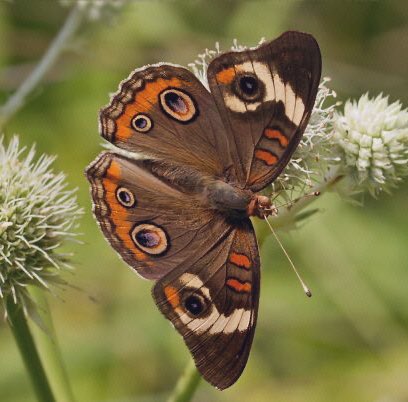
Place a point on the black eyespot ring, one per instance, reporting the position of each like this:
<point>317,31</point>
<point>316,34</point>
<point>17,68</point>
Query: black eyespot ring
<point>125,197</point>
<point>248,87</point>
<point>142,123</point>
<point>194,304</point>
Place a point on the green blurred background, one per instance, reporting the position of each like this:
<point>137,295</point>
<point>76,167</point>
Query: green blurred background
<point>350,341</point>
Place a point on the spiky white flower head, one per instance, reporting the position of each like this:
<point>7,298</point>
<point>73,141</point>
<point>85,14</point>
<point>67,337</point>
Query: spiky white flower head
<point>37,214</point>
<point>200,65</point>
<point>373,139</point>
<point>315,151</point>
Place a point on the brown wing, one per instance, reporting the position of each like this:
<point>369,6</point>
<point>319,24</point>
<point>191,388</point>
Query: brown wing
<point>154,227</point>
<point>212,300</point>
<point>165,112</point>
<point>266,96</point>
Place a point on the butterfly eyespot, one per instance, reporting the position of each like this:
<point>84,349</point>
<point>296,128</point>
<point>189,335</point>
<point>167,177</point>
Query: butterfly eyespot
<point>248,87</point>
<point>194,304</point>
<point>150,238</point>
<point>178,105</point>
<point>125,197</point>
<point>142,123</point>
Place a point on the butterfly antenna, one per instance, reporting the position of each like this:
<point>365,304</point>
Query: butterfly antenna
<point>305,288</point>
<point>293,202</point>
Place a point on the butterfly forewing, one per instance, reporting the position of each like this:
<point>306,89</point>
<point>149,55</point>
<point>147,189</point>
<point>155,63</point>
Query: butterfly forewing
<point>266,96</point>
<point>165,112</point>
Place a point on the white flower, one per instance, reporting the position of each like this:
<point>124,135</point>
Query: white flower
<point>373,139</point>
<point>37,214</point>
<point>200,65</point>
<point>315,151</point>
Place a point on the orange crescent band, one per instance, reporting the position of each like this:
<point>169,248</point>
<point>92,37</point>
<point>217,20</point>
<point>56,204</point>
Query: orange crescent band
<point>266,156</point>
<point>123,226</point>
<point>240,287</point>
<point>240,260</point>
<point>275,134</point>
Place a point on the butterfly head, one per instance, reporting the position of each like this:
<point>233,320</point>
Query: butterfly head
<point>261,206</point>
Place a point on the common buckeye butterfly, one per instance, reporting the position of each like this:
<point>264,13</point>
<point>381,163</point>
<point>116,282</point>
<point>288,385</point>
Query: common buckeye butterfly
<point>180,216</point>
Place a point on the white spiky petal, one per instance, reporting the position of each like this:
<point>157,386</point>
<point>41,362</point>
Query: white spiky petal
<point>373,139</point>
<point>314,153</point>
<point>37,214</point>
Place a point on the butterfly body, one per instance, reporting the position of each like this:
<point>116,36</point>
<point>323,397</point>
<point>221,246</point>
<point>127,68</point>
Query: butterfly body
<point>180,216</point>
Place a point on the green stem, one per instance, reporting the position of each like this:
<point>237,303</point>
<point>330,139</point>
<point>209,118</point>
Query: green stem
<point>17,100</point>
<point>47,344</point>
<point>186,385</point>
<point>28,351</point>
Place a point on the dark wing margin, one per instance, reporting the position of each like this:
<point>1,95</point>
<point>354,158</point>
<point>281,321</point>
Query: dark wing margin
<point>212,301</point>
<point>266,96</point>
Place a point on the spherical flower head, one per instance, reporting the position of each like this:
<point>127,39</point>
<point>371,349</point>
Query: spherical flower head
<point>314,154</point>
<point>37,215</point>
<point>373,139</point>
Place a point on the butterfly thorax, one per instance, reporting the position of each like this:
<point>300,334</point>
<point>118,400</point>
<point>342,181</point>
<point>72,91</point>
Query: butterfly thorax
<point>236,202</point>
<point>228,198</point>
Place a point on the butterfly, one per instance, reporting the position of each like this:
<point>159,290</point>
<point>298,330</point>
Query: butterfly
<point>181,215</point>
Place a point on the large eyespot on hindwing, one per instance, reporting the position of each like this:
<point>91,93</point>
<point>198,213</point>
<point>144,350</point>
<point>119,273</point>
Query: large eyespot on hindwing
<point>150,238</point>
<point>142,123</point>
<point>248,87</point>
<point>125,197</point>
<point>178,105</point>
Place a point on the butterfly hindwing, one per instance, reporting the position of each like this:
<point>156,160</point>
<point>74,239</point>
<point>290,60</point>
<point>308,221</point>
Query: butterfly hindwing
<point>145,220</point>
<point>266,96</point>
<point>213,302</point>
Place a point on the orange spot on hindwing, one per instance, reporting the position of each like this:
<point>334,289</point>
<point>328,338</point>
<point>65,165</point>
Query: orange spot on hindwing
<point>240,260</point>
<point>275,134</point>
<point>265,156</point>
<point>238,286</point>
<point>226,76</point>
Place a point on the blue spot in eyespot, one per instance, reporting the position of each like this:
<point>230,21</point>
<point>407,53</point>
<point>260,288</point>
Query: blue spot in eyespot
<point>147,238</point>
<point>141,123</point>
<point>124,197</point>
<point>193,305</point>
<point>175,102</point>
